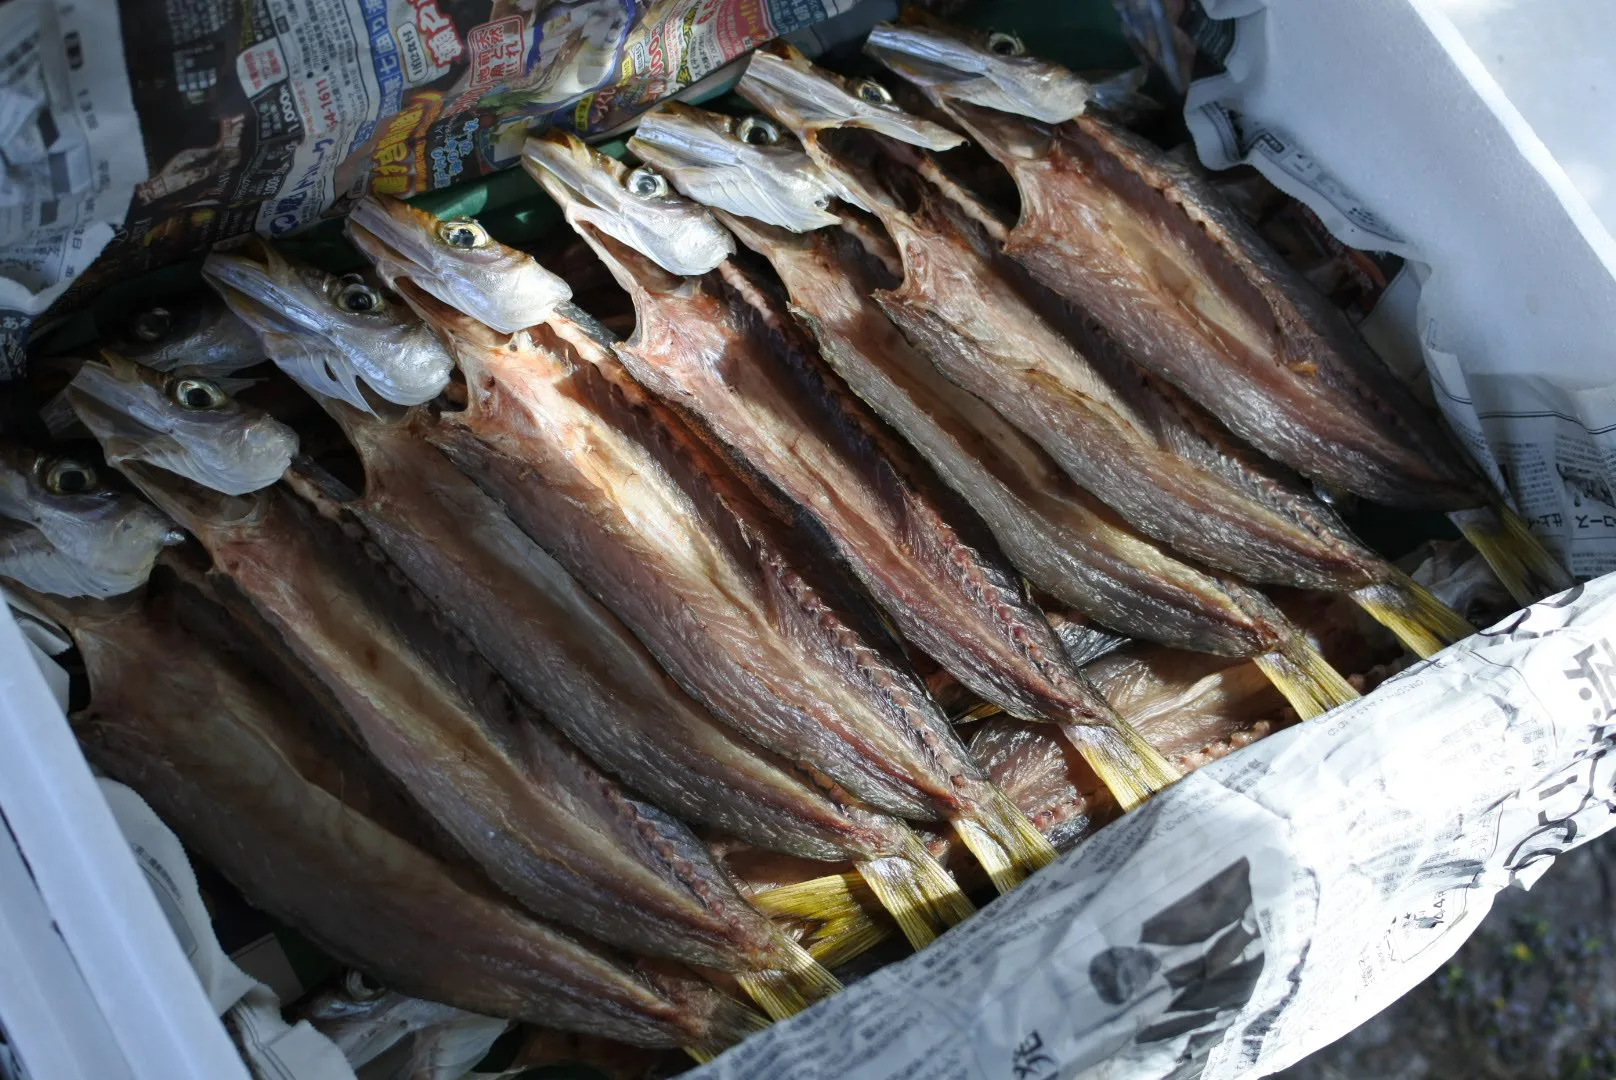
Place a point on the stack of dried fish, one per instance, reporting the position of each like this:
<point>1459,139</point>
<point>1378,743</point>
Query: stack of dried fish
<point>577,679</point>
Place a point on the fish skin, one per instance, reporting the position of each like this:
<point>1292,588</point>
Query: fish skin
<point>544,824</point>
<point>98,543</point>
<point>720,349</point>
<point>657,526</point>
<point>331,851</point>
<point>136,414</point>
<point>197,331</point>
<point>296,311</point>
<point>1110,431</point>
<point>1065,541</point>
<point>576,662</point>
<point>1141,241</point>
<point>659,529</point>
<point>505,289</point>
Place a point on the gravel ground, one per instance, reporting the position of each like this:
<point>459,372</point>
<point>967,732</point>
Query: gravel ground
<point>1531,994</point>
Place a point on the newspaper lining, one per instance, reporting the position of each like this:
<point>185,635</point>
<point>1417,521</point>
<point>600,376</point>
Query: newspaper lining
<point>1268,903</point>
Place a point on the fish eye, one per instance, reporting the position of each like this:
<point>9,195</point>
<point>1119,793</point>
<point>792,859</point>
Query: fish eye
<point>196,394</point>
<point>359,986</point>
<point>152,324</point>
<point>757,131</point>
<point>868,90</point>
<point>65,476</point>
<point>356,297</point>
<point>646,183</point>
<point>463,234</point>
<point>1001,43</point>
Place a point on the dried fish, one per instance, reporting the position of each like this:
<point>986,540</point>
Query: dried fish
<point>1137,447</point>
<point>1145,245</point>
<point>1066,542</point>
<point>625,497</point>
<point>250,778</point>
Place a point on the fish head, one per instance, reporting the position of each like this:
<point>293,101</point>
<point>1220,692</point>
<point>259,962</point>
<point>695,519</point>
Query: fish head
<point>71,534</point>
<point>748,166</point>
<point>455,260</point>
<point>638,207</point>
<point>806,98</point>
<point>183,421</point>
<point>988,69</point>
<point>197,331</point>
<point>337,336</point>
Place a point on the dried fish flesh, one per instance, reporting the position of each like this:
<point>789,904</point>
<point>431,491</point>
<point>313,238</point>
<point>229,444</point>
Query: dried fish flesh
<point>251,780</point>
<point>1137,447</point>
<point>1145,245</point>
<point>724,350</point>
<point>1066,542</point>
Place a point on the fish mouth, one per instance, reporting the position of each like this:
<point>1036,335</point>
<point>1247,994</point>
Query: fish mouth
<point>225,447</point>
<point>636,207</point>
<point>264,290</point>
<point>782,82</point>
<point>196,508</point>
<point>329,353</point>
<point>714,160</point>
<point>502,287</point>
<point>949,66</point>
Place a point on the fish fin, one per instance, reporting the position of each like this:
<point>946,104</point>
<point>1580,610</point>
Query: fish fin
<point>943,894</point>
<point>994,859</point>
<point>787,990</point>
<point>980,711</point>
<point>892,880</point>
<point>1125,762</point>
<point>916,892</point>
<point>821,899</point>
<point>1306,678</point>
<point>744,1019</point>
<point>1424,624</point>
<point>1527,569</point>
<point>843,917</point>
<point>1005,842</point>
<point>836,943</point>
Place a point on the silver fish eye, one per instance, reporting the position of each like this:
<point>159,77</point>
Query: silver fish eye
<point>1001,43</point>
<point>757,131</point>
<point>66,476</point>
<point>868,90</point>
<point>646,183</point>
<point>356,297</point>
<point>153,324</point>
<point>196,394</point>
<point>464,234</point>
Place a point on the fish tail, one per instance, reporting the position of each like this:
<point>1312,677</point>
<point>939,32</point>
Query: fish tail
<point>1527,569</point>
<point>1306,678</point>
<point>1424,624</point>
<point>892,880</point>
<point>1004,841</point>
<point>797,983</point>
<point>841,916</point>
<point>1124,761</point>
<point>944,896</point>
<point>839,941</point>
<point>738,1023</point>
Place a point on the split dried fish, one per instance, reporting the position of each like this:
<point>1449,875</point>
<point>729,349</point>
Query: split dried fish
<point>1144,244</point>
<point>1144,452</point>
<point>252,780</point>
<point>1066,542</point>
